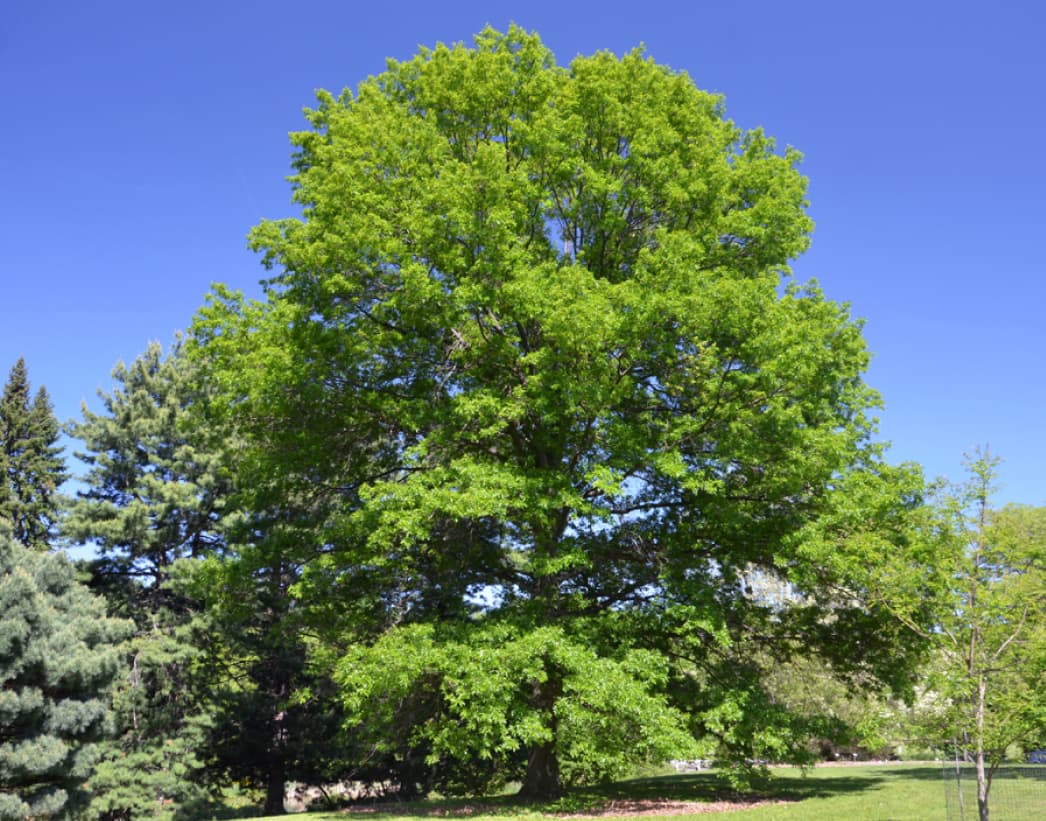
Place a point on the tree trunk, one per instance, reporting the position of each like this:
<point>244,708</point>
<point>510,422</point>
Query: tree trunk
<point>983,786</point>
<point>983,780</point>
<point>542,781</point>
<point>275,788</point>
<point>276,777</point>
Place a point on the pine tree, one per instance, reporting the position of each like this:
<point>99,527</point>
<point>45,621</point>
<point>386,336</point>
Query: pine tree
<point>276,718</point>
<point>31,463</point>
<point>155,494</point>
<point>151,769</point>
<point>216,655</point>
<point>155,488</point>
<point>57,659</point>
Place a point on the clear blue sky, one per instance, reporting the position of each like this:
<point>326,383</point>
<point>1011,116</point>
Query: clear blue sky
<point>141,140</point>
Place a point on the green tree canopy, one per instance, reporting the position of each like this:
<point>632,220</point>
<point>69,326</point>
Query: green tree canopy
<point>215,660</point>
<point>57,659</point>
<point>31,463</point>
<point>535,346</point>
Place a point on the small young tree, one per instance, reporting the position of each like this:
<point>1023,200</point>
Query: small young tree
<point>58,657</point>
<point>970,580</point>
<point>31,463</point>
<point>993,636</point>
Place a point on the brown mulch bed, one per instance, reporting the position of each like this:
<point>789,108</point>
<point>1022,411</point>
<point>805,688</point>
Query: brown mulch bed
<point>635,807</point>
<point>623,808</point>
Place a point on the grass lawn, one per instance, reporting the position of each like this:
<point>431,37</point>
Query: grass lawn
<point>909,792</point>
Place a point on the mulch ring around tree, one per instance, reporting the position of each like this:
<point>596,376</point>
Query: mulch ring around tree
<point>629,808</point>
<point>622,808</point>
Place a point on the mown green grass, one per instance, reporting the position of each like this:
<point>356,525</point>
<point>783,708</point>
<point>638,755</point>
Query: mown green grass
<point>853,793</point>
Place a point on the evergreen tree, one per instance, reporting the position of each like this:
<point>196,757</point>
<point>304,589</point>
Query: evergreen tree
<point>217,658</point>
<point>58,656</point>
<point>31,462</point>
<point>275,716</point>
<point>152,768</point>
<point>155,494</point>
<point>155,486</point>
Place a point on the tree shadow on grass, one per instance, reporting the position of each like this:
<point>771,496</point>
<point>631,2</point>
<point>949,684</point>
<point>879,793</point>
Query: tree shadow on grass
<point>928,773</point>
<point>647,794</point>
<point>794,785</point>
<point>666,794</point>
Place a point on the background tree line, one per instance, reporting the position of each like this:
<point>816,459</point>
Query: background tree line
<point>533,464</point>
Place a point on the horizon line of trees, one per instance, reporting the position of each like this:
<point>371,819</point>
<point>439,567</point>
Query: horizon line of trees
<point>223,651</point>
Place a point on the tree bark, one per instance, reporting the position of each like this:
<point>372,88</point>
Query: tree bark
<point>542,781</point>
<point>276,777</point>
<point>984,786</point>
<point>982,793</point>
<point>983,779</point>
<point>275,788</point>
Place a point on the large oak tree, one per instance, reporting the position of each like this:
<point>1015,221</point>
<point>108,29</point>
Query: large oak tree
<point>534,345</point>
